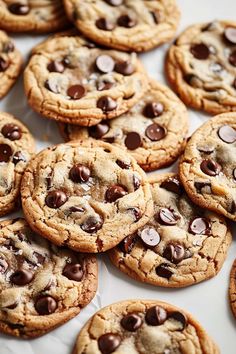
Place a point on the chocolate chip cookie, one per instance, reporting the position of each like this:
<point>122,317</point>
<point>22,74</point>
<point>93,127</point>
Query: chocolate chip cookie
<point>232,288</point>
<point>180,245</point>
<point>38,16</point>
<point>143,326</point>
<point>70,80</point>
<point>87,195</point>
<point>10,63</point>
<point>154,131</point>
<point>125,24</point>
<point>207,168</point>
<point>42,286</point>
<point>16,149</point>
<point>201,66</point>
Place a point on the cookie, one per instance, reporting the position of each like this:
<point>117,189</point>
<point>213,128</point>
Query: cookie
<point>70,80</point>
<point>143,326</point>
<point>154,131</point>
<point>16,149</point>
<point>86,195</point>
<point>179,246</point>
<point>37,16</point>
<point>10,64</point>
<point>207,168</point>
<point>125,24</point>
<point>201,66</point>
<point>42,286</point>
<point>232,288</point>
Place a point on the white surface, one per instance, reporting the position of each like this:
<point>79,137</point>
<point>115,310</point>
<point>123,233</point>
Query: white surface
<point>207,301</point>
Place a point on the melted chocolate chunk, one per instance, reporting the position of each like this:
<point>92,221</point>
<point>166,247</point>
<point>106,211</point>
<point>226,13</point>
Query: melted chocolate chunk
<point>45,305</point>
<point>155,316</point>
<point>114,2</point>
<point>123,165</point>
<point>5,153</point>
<point>155,132</point>
<point>79,174</point>
<point>200,51</point>
<point>136,182</point>
<point>126,21</point>
<point>115,192</point>
<point>167,216</point>
<point>232,58</point>
<point>163,271</point>
<point>3,265</point>
<point>230,34</point>
<point>73,271</point>
<point>172,184</point>
<point>17,8</point>
<point>106,104</point>
<point>136,212</point>
<point>131,322</point>
<point>17,157</point>
<point>22,277</point>
<point>128,243</point>
<point>153,109</point>
<point>76,92</point>
<point>210,167</point>
<point>92,224</point>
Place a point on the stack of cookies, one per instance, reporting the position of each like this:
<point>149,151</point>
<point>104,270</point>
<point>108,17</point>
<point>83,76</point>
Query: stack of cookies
<point>91,194</point>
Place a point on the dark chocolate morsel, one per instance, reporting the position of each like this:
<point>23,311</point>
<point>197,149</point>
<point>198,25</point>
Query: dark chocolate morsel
<point>97,131</point>
<point>79,173</point>
<point>106,104</point>
<point>163,271</point>
<point>126,21</point>
<point>109,342</point>
<point>45,305</point>
<point>22,277</point>
<point>55,199</point>
<point>73,271</point>
<point>128,243</point>
<point>131,322</point>
<point>156,316</point>
<point>172,184</point>
<point>92,224</point>
<point>12,131</point>
<point>18,8</point>
<point>115,192</point>
<point>210,167</point>
<point>167,216</point>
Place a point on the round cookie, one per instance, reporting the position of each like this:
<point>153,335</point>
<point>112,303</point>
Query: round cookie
<point>143,326</point>
<point>201,66</point>
<point>154,131</point>
<point>10,64</point>
<point>42,286</point>
<point>125,24</point>
<point>207,168</point>
<point>37,16</point>
<point>70,80</point>
<point>179,246</point>
<point>16,149</point>
<point>86,195</point>
<point>232,289</point>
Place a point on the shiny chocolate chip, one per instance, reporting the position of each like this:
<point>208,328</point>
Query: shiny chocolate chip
<point>22,277</point>
<point>104,24</point>
<point>174,253</point>
<point>114,2</point>
<point>210,167</point>
<point>167,216</point>
<point>104,85</point>
<point>153,109</point>
<point>5,153</point>
<point>73,271</point>
<point>79,174</point>
<point>105,63</point>
<point>4,64</point>
<point>106,104</point>
<point>56,66</point>
<point>227,134</point>
<point>109,342</point>
<point>230,34</point>
<point>199,226</point>
<point>133,141</point>
<point>179,317</point>
<point>76,92</point>
<point>172,184</point>
<point>155,316</point>
<point>12,131</point>
<point>17,157</point>
<point>123,165</point>
<point>97,131</point>
<point>92,224</point>
<point>3,265</point>
<point>115,192</point>
<point>18,8</point>
<point>55,199</point>
<point>163,271</point>
<point>150,237</point>
<point>232,58</point>
<point>155,132</point>
<point>45,305</point>
<point>200,51</point>
<point>131,322</point>
<point>128,243</point>
<point>126,21</point>
<point>125,68</point>
<point>136,212</point>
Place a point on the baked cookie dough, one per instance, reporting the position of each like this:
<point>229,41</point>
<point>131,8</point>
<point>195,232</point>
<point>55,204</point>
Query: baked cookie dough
<point>70,80</point>
<point>143,326</point>
<point>10,63</point>
<point>201,66</point>
<point>154,131</point>
<point>179,246</point>
<point>37,16</point>
<point>232,288</point>
<point>207,168</point>
<point>86,195</point>
<point>42,286</point>
<point>129,25</point>
<point>16,149</point>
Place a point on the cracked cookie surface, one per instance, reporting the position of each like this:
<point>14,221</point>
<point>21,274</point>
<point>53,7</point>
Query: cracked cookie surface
<point>232,289</point>
<point>129,25</point>
<point>207,168</point>
<point>179,246</point>
<point>42,286</point>
<point>87,195</point>
<point>154,131</point>
<point>70,80</point>
<point>201,66</point>
<point>143,327</point>
<point>16,149</point>
<point>10,63</point>
<point>38,16</point>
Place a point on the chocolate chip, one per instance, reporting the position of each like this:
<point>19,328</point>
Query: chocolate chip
<point>230,34</point>
<point>17,157</point>
<point>79,174</point>
<point>12,306</point>
<point>105,63</point>
<point>155,316</point>
<point>45,305</point>
<point>232,58</point>
<point>56,66</point>
<point>204,184</point>
<point>115,192</point>
<point>97,131</point>
<point>104,85</point>
<point>104,24</point>
<point>163,271</point>
<point>124,68</point>
<point>227,134</point>
<point>155,132</point>
<point>179,317</point>
<point>153,109</point>
<point>131,322</point>
<point>109,342</point>
<point>172,184</point>
<point>123,165</point>
<point>22,277</point>
<point>133,141</point>
<point>76,209</point>
<point>5,153</point>
<point>40,259</point>
<point>210,167</point>
<point>55,199</point>
<point>106,104</point>
<point>167,216</point>
<point>234,174</point>
<point>199,226</point>
<point>19,9</point>
<point>200,51</point>
<point>12,131</point>
<point>114,2</point>
<point>136,182</point>
<point>73,271</point>
<point>126,21</point>
<point>136,212</point>
<point>150,237</point>
<point>92,224</point>
<point>3,265</point>
<point>8,47</point>
<point>76,92</point>
<point>174,253</point>
<point>206,149</point>
<point>52,85</point>
<point>128,243</point>
<point>4,64</point>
